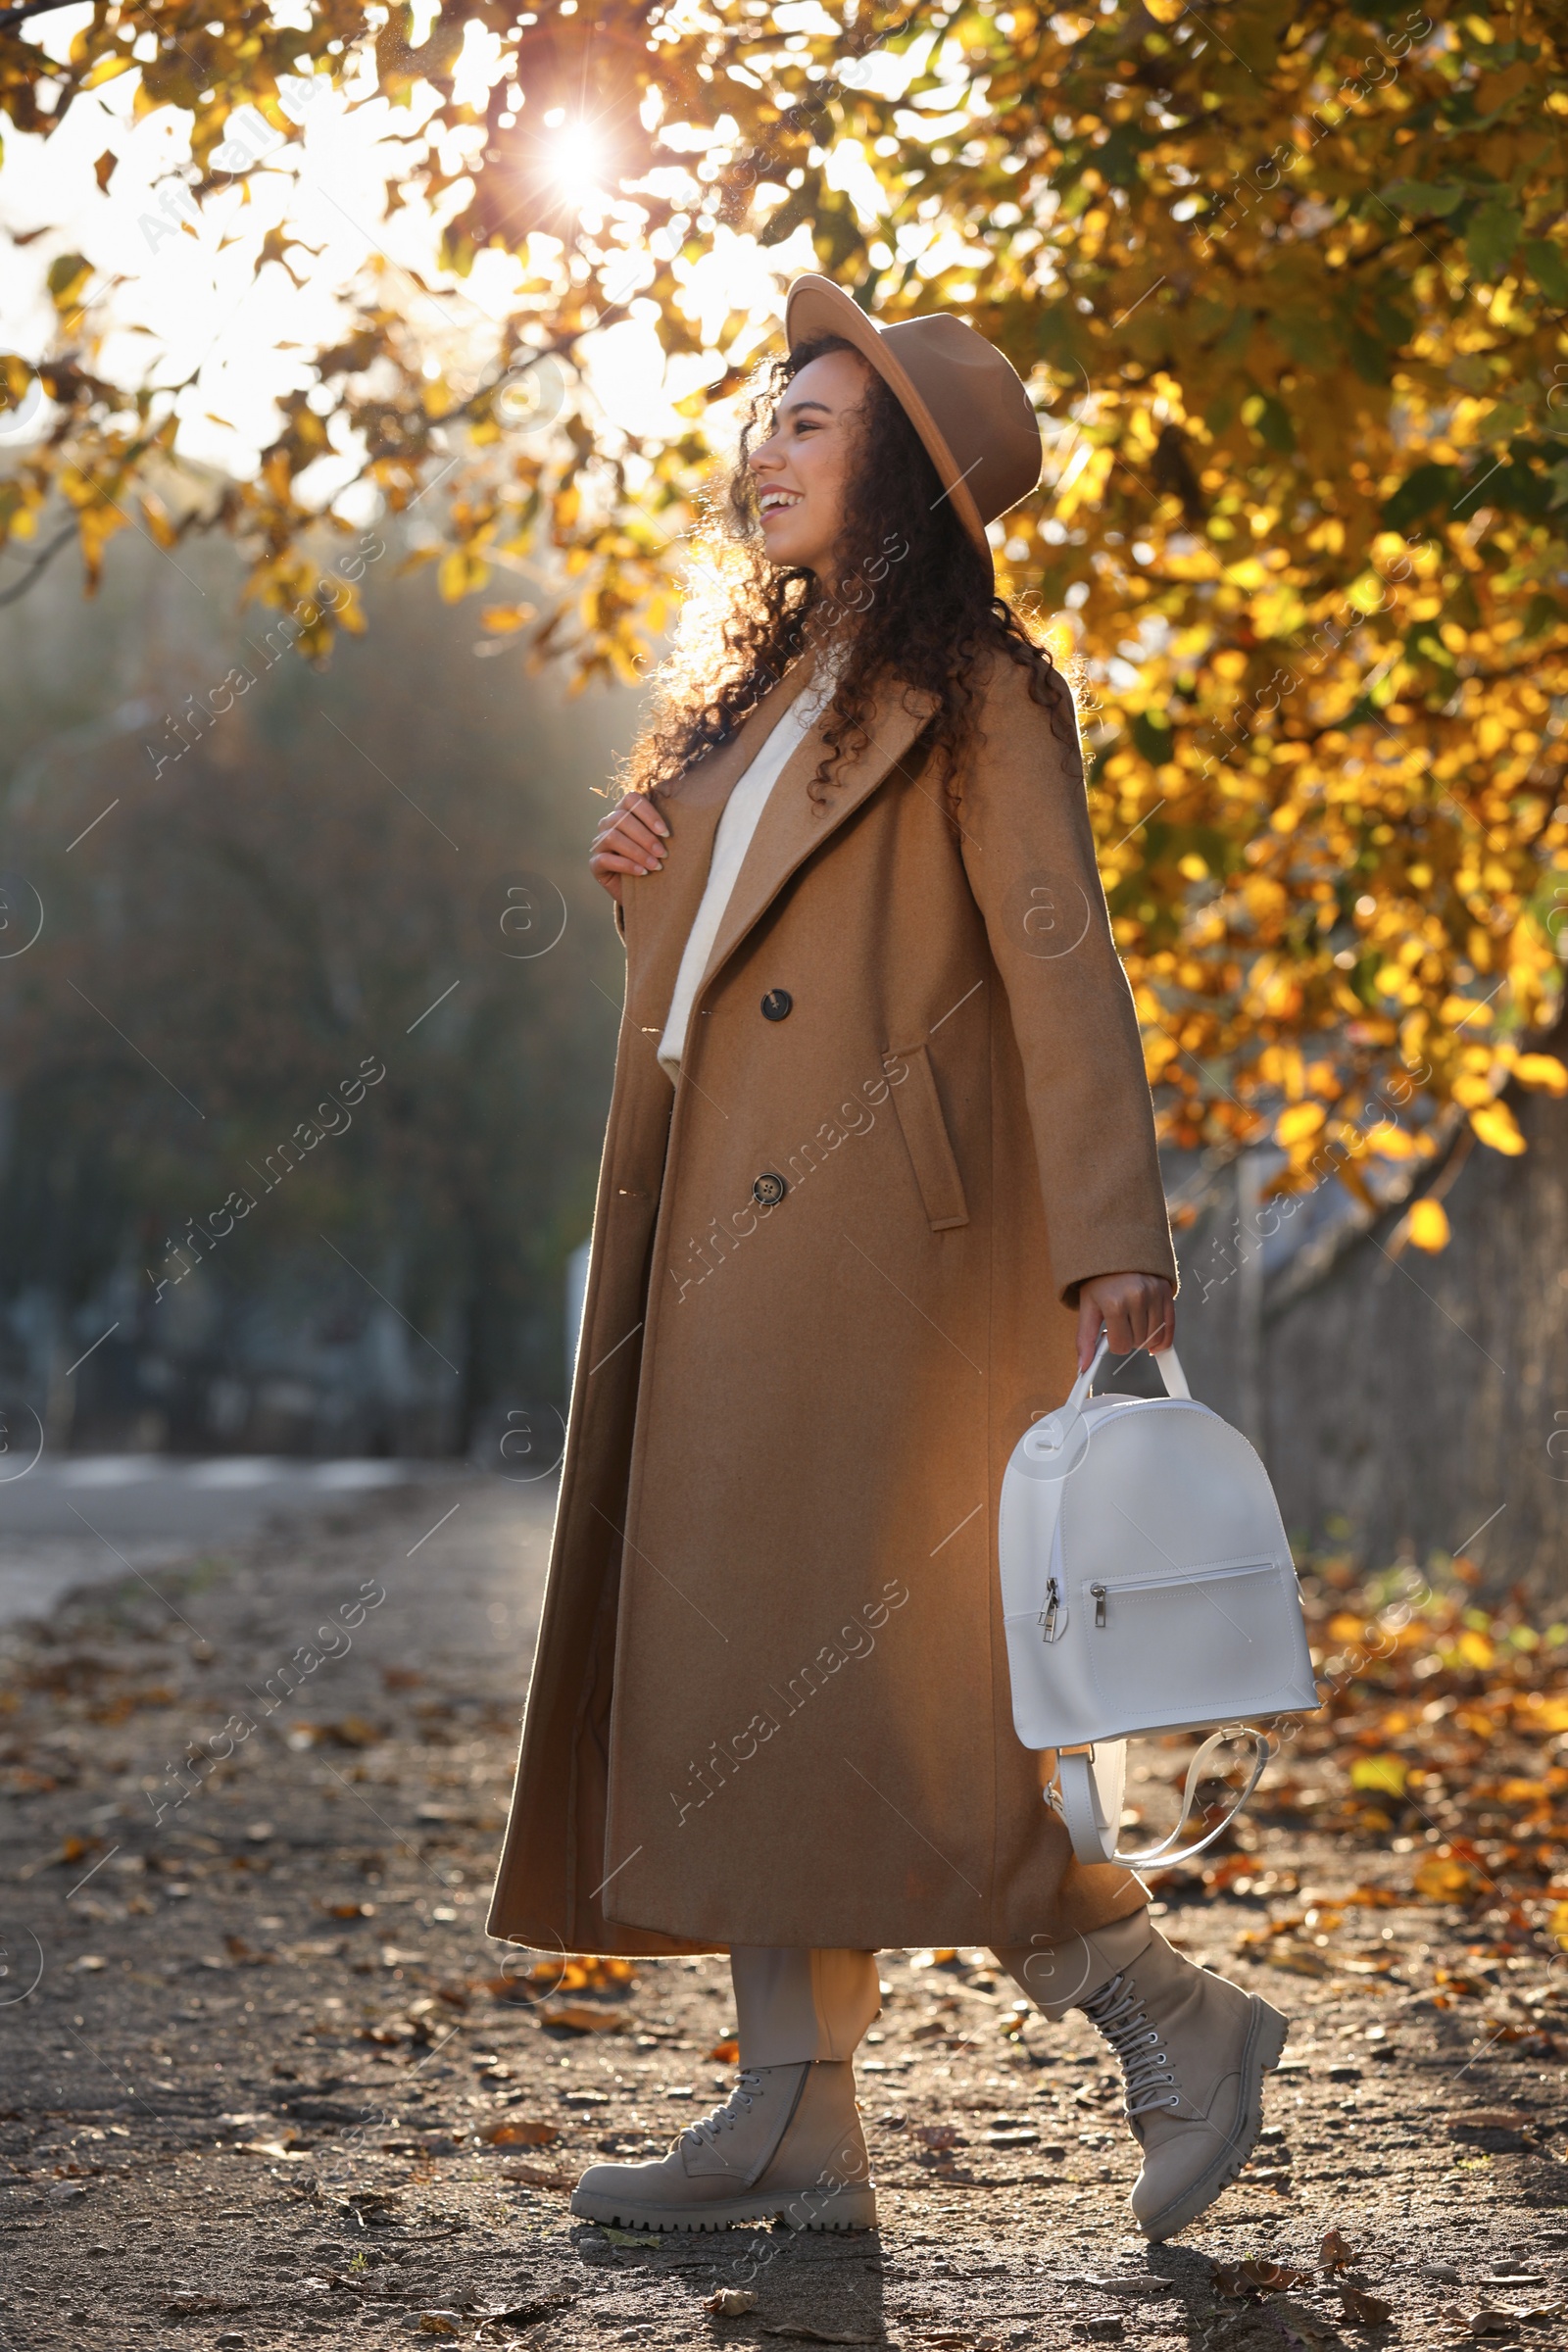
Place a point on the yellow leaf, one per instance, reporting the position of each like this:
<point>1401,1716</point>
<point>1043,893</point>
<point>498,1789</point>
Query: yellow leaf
<point>1454,1010</point>
<point>1557,1924</point>
<point>1295,1125</point>
<point>104,71</point>
<point>1538,1713</point>
<point>1440,1880</point>
<point>502,619</point>
<point>1542,1070</point>
<point>1476,1650</point>
<point>1428,1225</point>
<point>460,572</point>
<point>1497,1127</point>
<point>68,272</point>
<point>1388,1772</point>
<point>1343,1626</point>
<point>159,526</point>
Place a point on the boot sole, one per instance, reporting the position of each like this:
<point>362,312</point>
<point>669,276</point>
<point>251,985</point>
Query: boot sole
<point>1265,2045</point>
<point>850,2207</point>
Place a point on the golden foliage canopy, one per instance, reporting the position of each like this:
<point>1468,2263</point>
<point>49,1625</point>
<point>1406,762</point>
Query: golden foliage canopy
<point>1288,285</point>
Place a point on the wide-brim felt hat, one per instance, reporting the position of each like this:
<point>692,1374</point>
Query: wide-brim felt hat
<point>963,397</point>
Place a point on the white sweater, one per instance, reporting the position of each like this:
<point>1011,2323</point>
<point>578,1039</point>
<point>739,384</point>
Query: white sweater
<point>731,840</point>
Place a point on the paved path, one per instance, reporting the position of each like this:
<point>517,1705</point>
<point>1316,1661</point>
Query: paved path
<point>264,2080</point>
<point>83,1519</point>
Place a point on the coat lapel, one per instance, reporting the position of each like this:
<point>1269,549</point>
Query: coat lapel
<point>792,826</point>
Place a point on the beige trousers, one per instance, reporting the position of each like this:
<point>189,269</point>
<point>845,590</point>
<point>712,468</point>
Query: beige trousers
<point>797,2002</point>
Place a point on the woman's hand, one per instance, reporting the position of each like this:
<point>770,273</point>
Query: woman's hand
<point>630,841</point>
<point>1137,1310</point>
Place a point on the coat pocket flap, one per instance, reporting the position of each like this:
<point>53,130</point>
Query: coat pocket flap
<point>929,1146</point>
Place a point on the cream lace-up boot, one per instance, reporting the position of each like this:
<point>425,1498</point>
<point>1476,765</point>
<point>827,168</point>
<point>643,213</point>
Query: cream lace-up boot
<point>787,2146</point>
<point>1194,2050</point>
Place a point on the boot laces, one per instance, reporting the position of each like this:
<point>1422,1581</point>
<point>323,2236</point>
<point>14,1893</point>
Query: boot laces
<point>724,2119</point>
<point>1118,2011</point>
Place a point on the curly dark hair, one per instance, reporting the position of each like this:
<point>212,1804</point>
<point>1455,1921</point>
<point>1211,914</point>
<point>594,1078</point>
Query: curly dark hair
<point>913,604</point>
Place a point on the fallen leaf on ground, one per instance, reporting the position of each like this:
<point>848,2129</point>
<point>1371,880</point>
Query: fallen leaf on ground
<point>1442,1879</point>
<point>523,2315</point>
<point>585,1972</point>
<point>506,1989</point>
<point>577,2017</point>
<point>352,1731</point>
<point>535,2176</point>
<point>1243,2277</point>
<point>438,2323</point>
<point>1300,2324</point>
<point>940,2136</point>
<point>273,2148</point>
<point>1300,1959</point>
<point>1335,2252</point>
<point>730,2301</point>
<point>817,2335</point>
<point>726,2053</point>
<point>1367,2311</point>
<point>519,2132</point>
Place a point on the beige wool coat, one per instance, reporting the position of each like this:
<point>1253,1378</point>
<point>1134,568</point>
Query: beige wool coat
<point>833,1279</point>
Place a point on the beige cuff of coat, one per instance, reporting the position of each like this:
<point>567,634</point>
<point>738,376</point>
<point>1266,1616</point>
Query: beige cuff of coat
<point>799,2003</point>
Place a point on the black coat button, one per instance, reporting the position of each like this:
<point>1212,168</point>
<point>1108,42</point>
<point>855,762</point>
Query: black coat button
<point>768,1190</point>
<point>777,1004</point>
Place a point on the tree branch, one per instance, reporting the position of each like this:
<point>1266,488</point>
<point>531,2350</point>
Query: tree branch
<point>44,557</point>
<point>11,17</point>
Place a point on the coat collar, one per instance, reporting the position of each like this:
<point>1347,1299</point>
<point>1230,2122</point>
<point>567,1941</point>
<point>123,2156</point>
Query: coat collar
<point>660,908</point>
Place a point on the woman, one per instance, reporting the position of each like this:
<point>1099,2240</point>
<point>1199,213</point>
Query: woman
<point>880,1166</point>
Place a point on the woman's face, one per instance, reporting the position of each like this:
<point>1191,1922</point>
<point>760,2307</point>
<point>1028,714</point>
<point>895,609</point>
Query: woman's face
<point>801,469</point>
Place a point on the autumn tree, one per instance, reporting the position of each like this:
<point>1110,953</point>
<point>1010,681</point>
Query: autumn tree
<point>1288,287</point>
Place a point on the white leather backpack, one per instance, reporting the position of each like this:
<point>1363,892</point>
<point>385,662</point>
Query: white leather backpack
<point>1146,1587</point>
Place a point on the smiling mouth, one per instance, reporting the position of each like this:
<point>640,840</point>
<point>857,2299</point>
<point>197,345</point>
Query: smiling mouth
<point>778,502</point>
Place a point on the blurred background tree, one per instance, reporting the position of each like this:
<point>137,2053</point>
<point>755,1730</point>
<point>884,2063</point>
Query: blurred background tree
<point>378,869</point>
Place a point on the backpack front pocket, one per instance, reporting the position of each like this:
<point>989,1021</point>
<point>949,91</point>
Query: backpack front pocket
<point>1211,1645</point>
